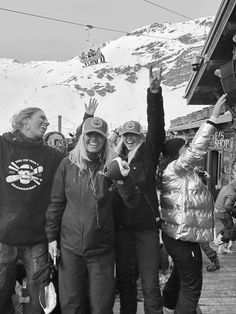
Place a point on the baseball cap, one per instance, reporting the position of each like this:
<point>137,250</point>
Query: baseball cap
<point>95,124</point>
<point>132,127</point>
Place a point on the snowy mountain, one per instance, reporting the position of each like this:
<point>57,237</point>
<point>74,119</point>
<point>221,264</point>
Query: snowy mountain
<point>62,88</point>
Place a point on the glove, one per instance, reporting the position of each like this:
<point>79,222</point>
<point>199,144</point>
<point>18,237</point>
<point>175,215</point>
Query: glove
<point>48,298</point>
<point>118,169</point>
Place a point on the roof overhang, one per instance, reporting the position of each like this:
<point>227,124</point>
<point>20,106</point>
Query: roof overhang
<point>204,85</point>
<point>225,118</point>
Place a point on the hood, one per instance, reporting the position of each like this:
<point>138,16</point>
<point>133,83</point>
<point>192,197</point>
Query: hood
<point>19,139</point>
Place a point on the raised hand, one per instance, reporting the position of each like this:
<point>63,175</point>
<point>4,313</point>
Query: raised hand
<point>91,107</point>
<point>155,79</point>
<point>217,108</point>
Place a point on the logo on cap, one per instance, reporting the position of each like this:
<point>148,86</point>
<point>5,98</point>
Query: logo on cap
<point>130,125</point>
<point>96,122</point>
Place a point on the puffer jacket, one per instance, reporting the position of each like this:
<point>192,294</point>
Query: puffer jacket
<point>225,200</point>
<point>186,203</point>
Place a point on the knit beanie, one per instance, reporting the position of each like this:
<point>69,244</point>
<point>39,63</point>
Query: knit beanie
<point>172,146</point>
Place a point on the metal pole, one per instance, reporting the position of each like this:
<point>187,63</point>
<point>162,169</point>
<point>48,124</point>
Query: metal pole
<point>59,123</point>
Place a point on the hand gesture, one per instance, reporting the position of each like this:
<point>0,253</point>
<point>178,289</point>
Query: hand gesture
<point>118,169</point>
<point>155,80</point>
<point>91,107</point>
<point>217,108</point>
<point>124,167</point>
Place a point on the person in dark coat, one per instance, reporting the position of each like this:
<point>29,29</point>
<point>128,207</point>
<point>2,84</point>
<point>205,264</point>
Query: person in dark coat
<point>137,230</point>
<point>27,169</point>
<point>81,215</point>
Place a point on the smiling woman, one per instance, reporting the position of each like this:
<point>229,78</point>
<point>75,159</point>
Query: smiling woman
<point>137,236</point>
<point>27,167</point>
<point>32,122</point>
<point>95,134</point>
<point>80,216</point>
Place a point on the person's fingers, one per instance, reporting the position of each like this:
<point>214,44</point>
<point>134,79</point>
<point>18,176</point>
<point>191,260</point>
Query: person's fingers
<point>94,102</point>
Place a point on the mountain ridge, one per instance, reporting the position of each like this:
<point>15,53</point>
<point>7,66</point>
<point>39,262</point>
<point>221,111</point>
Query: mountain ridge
<point>62,87</point>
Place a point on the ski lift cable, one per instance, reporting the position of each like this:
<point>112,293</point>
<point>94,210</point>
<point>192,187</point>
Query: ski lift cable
<point>61,20</point>
<point>69,121</point>
<point>78,24</point>
<point>172,11</point>
<point>175,12</point>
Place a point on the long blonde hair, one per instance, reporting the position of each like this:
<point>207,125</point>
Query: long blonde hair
<point>121,146</point>
<point>79,155</point>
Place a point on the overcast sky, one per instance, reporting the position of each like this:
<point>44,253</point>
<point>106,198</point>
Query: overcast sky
<point>29,38</point>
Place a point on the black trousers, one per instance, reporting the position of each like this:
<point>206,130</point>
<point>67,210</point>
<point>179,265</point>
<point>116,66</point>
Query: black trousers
<point>83,278</point>
<point>183,288</point>
<point>138,249</point>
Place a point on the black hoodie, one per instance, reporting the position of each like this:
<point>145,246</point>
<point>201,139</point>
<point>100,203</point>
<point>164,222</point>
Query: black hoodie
<point>27,168</point>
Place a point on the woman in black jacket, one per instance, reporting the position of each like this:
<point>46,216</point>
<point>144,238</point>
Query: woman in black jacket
<point>81,216</point>
<point>137,229</point>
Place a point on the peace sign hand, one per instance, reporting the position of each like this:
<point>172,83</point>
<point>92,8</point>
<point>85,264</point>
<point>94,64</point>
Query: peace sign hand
<point>155,80</point>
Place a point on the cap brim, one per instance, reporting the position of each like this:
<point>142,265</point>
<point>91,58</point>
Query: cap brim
<point>96,131</point>
<point>131,132</point>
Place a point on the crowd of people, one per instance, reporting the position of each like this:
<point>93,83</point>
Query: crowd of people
<point>92,57</point>
<point>92,213</point>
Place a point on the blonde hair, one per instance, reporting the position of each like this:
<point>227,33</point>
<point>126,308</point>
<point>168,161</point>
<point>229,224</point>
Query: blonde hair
<point>19,120</point>
<point>121,145</point>
<point>79,156</point>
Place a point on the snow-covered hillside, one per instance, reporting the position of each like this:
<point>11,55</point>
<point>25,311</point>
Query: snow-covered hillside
<point>62,88</point>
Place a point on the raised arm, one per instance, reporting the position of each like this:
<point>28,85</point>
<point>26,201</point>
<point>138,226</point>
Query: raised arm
<point>155,115</point>
<point>89,111</point>
<point>199,146</point>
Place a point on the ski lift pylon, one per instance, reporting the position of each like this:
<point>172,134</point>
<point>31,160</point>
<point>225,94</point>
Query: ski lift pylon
<point>89,27</point>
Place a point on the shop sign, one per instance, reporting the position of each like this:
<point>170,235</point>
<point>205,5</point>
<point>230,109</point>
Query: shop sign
<point>220,140</point>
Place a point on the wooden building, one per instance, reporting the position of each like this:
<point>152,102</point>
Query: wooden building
<point>214,74</point>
